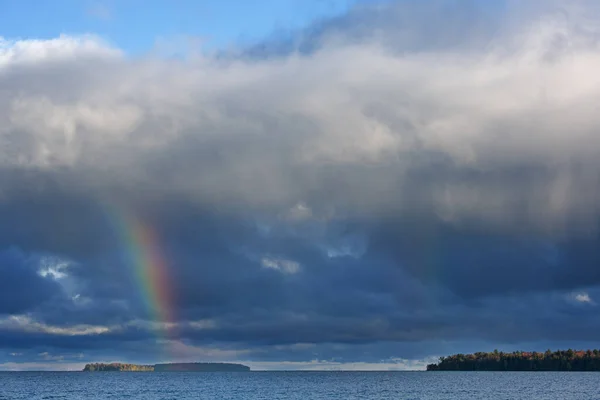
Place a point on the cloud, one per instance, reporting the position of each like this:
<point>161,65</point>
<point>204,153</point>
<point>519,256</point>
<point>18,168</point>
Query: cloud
<point>285,266</point>
<point>25,324</point>
<point>60,358</point>
<point>584,298</point>
<point>21,288</point>
<point>56,269</point>
<point>363,190</point>
<point>371,114</point>
<point>27,52</point>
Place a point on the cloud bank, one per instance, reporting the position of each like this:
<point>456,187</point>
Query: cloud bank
<point>358,192</point>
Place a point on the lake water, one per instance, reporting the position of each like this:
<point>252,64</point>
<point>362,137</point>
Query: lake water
<point>300,385</point>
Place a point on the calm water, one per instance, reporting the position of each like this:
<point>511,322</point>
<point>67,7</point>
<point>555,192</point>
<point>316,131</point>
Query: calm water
<point>300,385</point>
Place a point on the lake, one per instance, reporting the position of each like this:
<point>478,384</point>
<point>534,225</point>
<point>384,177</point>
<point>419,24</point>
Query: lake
<point>300,385</point>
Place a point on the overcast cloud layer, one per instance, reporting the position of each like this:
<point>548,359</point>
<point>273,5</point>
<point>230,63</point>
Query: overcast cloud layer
<point>367,191</point>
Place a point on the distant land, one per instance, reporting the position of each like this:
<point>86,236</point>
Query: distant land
<point>175,367</point>
<point>562,360</point>
<point>201,367</point>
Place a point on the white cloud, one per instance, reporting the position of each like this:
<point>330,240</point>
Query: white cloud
<point>282,265</point>
<point>26,324</point>
<point>53,268</point>
<point>64,48</point>
<point>583,298</point>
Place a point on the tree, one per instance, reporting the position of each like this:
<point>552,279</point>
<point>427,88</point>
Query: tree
<point>568,360</point>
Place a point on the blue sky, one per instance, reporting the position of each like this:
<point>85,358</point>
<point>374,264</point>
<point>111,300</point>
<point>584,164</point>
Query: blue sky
<point>135,25</point>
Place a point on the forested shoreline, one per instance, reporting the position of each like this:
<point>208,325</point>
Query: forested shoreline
<point>117,367</point>
<point>561,360</point>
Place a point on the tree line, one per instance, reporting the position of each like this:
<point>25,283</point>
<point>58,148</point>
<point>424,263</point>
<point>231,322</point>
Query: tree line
<point>101,367</point>
<point>561,360</point>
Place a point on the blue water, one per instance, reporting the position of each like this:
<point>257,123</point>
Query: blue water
<point>300,385</point>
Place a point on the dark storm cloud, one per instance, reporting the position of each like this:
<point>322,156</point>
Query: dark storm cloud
<point>478,263</point>
<point>387,188</point>
<point>21,286</point>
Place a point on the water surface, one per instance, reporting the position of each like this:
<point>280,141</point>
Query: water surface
<point>300,385</point>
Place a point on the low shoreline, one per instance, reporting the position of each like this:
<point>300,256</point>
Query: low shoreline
<point>172,367</point>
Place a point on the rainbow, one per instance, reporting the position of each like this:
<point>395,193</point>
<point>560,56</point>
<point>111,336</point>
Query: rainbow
<point>150,270</point>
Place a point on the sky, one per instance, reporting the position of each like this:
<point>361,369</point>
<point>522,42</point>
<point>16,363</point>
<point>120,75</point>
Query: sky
<point>297,185</point>
<point>137,26</point>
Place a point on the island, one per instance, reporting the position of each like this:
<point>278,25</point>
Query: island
<point>561,360</point>
<point>117,367</point>
<point>174,367</point>
<point>201,367</point>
